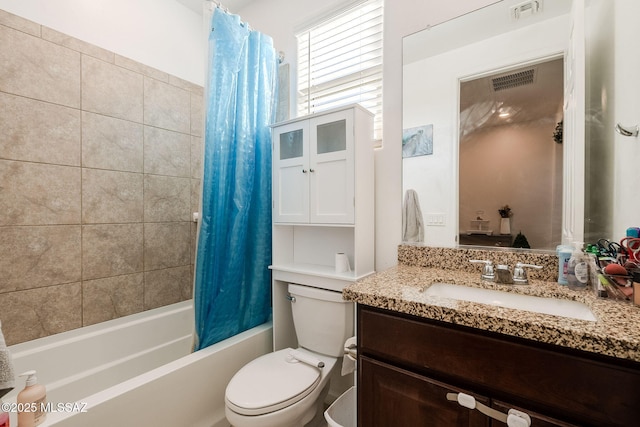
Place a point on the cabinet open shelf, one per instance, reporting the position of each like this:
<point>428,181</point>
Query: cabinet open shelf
<point>321,276</point>
<point>315,270</point>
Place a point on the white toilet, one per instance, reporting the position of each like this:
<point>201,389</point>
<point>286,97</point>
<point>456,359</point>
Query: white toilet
<point>278,390</point>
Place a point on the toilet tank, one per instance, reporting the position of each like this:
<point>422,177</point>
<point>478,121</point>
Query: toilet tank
<point>323,320</point>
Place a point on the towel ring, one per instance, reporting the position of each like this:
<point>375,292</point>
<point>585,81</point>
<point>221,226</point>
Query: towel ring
<point>627,130</point>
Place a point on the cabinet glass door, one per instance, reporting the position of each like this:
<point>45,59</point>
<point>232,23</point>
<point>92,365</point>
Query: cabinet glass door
<point>332,137</point>
<point>291,173</point>
<point>332,165</point>
<point>291,144</point>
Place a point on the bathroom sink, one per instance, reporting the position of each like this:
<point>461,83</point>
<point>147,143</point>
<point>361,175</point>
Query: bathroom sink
<point>553,306</point>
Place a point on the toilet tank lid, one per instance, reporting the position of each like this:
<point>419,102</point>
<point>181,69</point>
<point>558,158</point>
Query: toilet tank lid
<point>316,293</point>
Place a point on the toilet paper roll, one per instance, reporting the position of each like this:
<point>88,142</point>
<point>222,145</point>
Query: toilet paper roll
<point>342,263</point>
<point>350,355</point>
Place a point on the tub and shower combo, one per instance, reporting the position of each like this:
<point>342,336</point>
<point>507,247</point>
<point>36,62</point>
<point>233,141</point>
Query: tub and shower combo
<point>137,370</point>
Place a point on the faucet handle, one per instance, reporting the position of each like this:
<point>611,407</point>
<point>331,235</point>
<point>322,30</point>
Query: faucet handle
<point>520,274</point>
<point>487,270</point>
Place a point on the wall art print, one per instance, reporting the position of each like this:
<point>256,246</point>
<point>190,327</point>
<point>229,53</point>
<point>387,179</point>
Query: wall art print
<point>417,141</point>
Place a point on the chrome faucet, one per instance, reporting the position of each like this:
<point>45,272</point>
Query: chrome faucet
<point>487,270</point>
<point>519,277</point>
<point>520,274</point>
<point>501,274</point>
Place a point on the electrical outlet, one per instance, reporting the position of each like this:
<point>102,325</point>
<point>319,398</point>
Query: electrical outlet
<point>435,219</point>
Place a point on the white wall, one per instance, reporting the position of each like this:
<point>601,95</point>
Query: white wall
<point>280,19</point>
<point>163,34</point>
<point>626,101</point>
<point>519,165</point>
<point>612,159</point>
<point>600,117</point>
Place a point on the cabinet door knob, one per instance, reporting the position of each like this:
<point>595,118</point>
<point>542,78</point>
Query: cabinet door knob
<point>304,171</point>
<point>312,170</point>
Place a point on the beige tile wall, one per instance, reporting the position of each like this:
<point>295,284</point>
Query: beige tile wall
<point>100,161</point>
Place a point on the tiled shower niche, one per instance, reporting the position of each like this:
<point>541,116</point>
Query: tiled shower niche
<point>100,161</point>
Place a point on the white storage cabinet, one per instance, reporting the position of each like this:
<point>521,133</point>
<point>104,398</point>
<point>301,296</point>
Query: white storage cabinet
<point>323,203</point>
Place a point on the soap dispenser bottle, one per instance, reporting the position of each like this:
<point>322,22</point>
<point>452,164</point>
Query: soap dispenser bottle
<point>578,268</point>
<point>31,402</point>
<point>4,416</point>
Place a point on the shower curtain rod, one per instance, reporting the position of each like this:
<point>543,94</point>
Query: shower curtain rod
<point>219,5</point>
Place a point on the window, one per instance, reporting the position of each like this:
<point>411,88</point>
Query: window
<point>340,62</point>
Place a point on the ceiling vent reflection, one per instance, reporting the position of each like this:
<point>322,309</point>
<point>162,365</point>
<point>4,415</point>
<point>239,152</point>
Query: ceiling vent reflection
<point>521,78</point>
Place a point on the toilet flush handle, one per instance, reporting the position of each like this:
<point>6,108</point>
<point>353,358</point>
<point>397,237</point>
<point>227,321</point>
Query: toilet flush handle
<point>291,298</point>
<point>295,356</point>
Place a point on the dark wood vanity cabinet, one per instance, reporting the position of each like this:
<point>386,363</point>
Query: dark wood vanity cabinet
<point>408,364</point>
<point>397,397</point>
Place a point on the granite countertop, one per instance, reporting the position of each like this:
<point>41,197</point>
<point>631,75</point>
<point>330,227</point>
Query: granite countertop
<point>615,333</point>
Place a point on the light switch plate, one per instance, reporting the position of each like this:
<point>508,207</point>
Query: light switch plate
<point>435,219</point>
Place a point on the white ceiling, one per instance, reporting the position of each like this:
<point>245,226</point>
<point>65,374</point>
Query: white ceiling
<point>540,100</point>
<point>232,5</point>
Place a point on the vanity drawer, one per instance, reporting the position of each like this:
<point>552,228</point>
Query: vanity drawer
<point>547,379</point>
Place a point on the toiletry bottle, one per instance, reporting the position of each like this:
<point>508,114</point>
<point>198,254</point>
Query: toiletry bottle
<point>32,399</point>
<point>578,269</point>
<point>594,272</point>
<point>564,254</point>
<point>636,290</point>
<point>4,416</point>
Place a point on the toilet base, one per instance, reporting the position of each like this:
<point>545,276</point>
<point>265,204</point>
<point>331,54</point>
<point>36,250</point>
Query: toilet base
<point>300,414</point>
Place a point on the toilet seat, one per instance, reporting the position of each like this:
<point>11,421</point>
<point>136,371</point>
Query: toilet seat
<point>270,383</point>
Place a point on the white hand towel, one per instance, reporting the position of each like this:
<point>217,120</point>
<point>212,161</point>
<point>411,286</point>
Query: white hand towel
<point>412,223</point>
<point>7,375</point>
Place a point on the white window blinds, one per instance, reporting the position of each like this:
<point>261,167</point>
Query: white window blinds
<point>340,62</point>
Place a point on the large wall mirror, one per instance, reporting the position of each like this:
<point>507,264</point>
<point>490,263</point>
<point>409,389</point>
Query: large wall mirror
<point>487,95</point>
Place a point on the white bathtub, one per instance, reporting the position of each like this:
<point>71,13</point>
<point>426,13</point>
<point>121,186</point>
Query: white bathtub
<point>137,371</point>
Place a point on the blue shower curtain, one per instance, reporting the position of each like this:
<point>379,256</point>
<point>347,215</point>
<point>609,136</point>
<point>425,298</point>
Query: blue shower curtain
<point>232,282</point>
